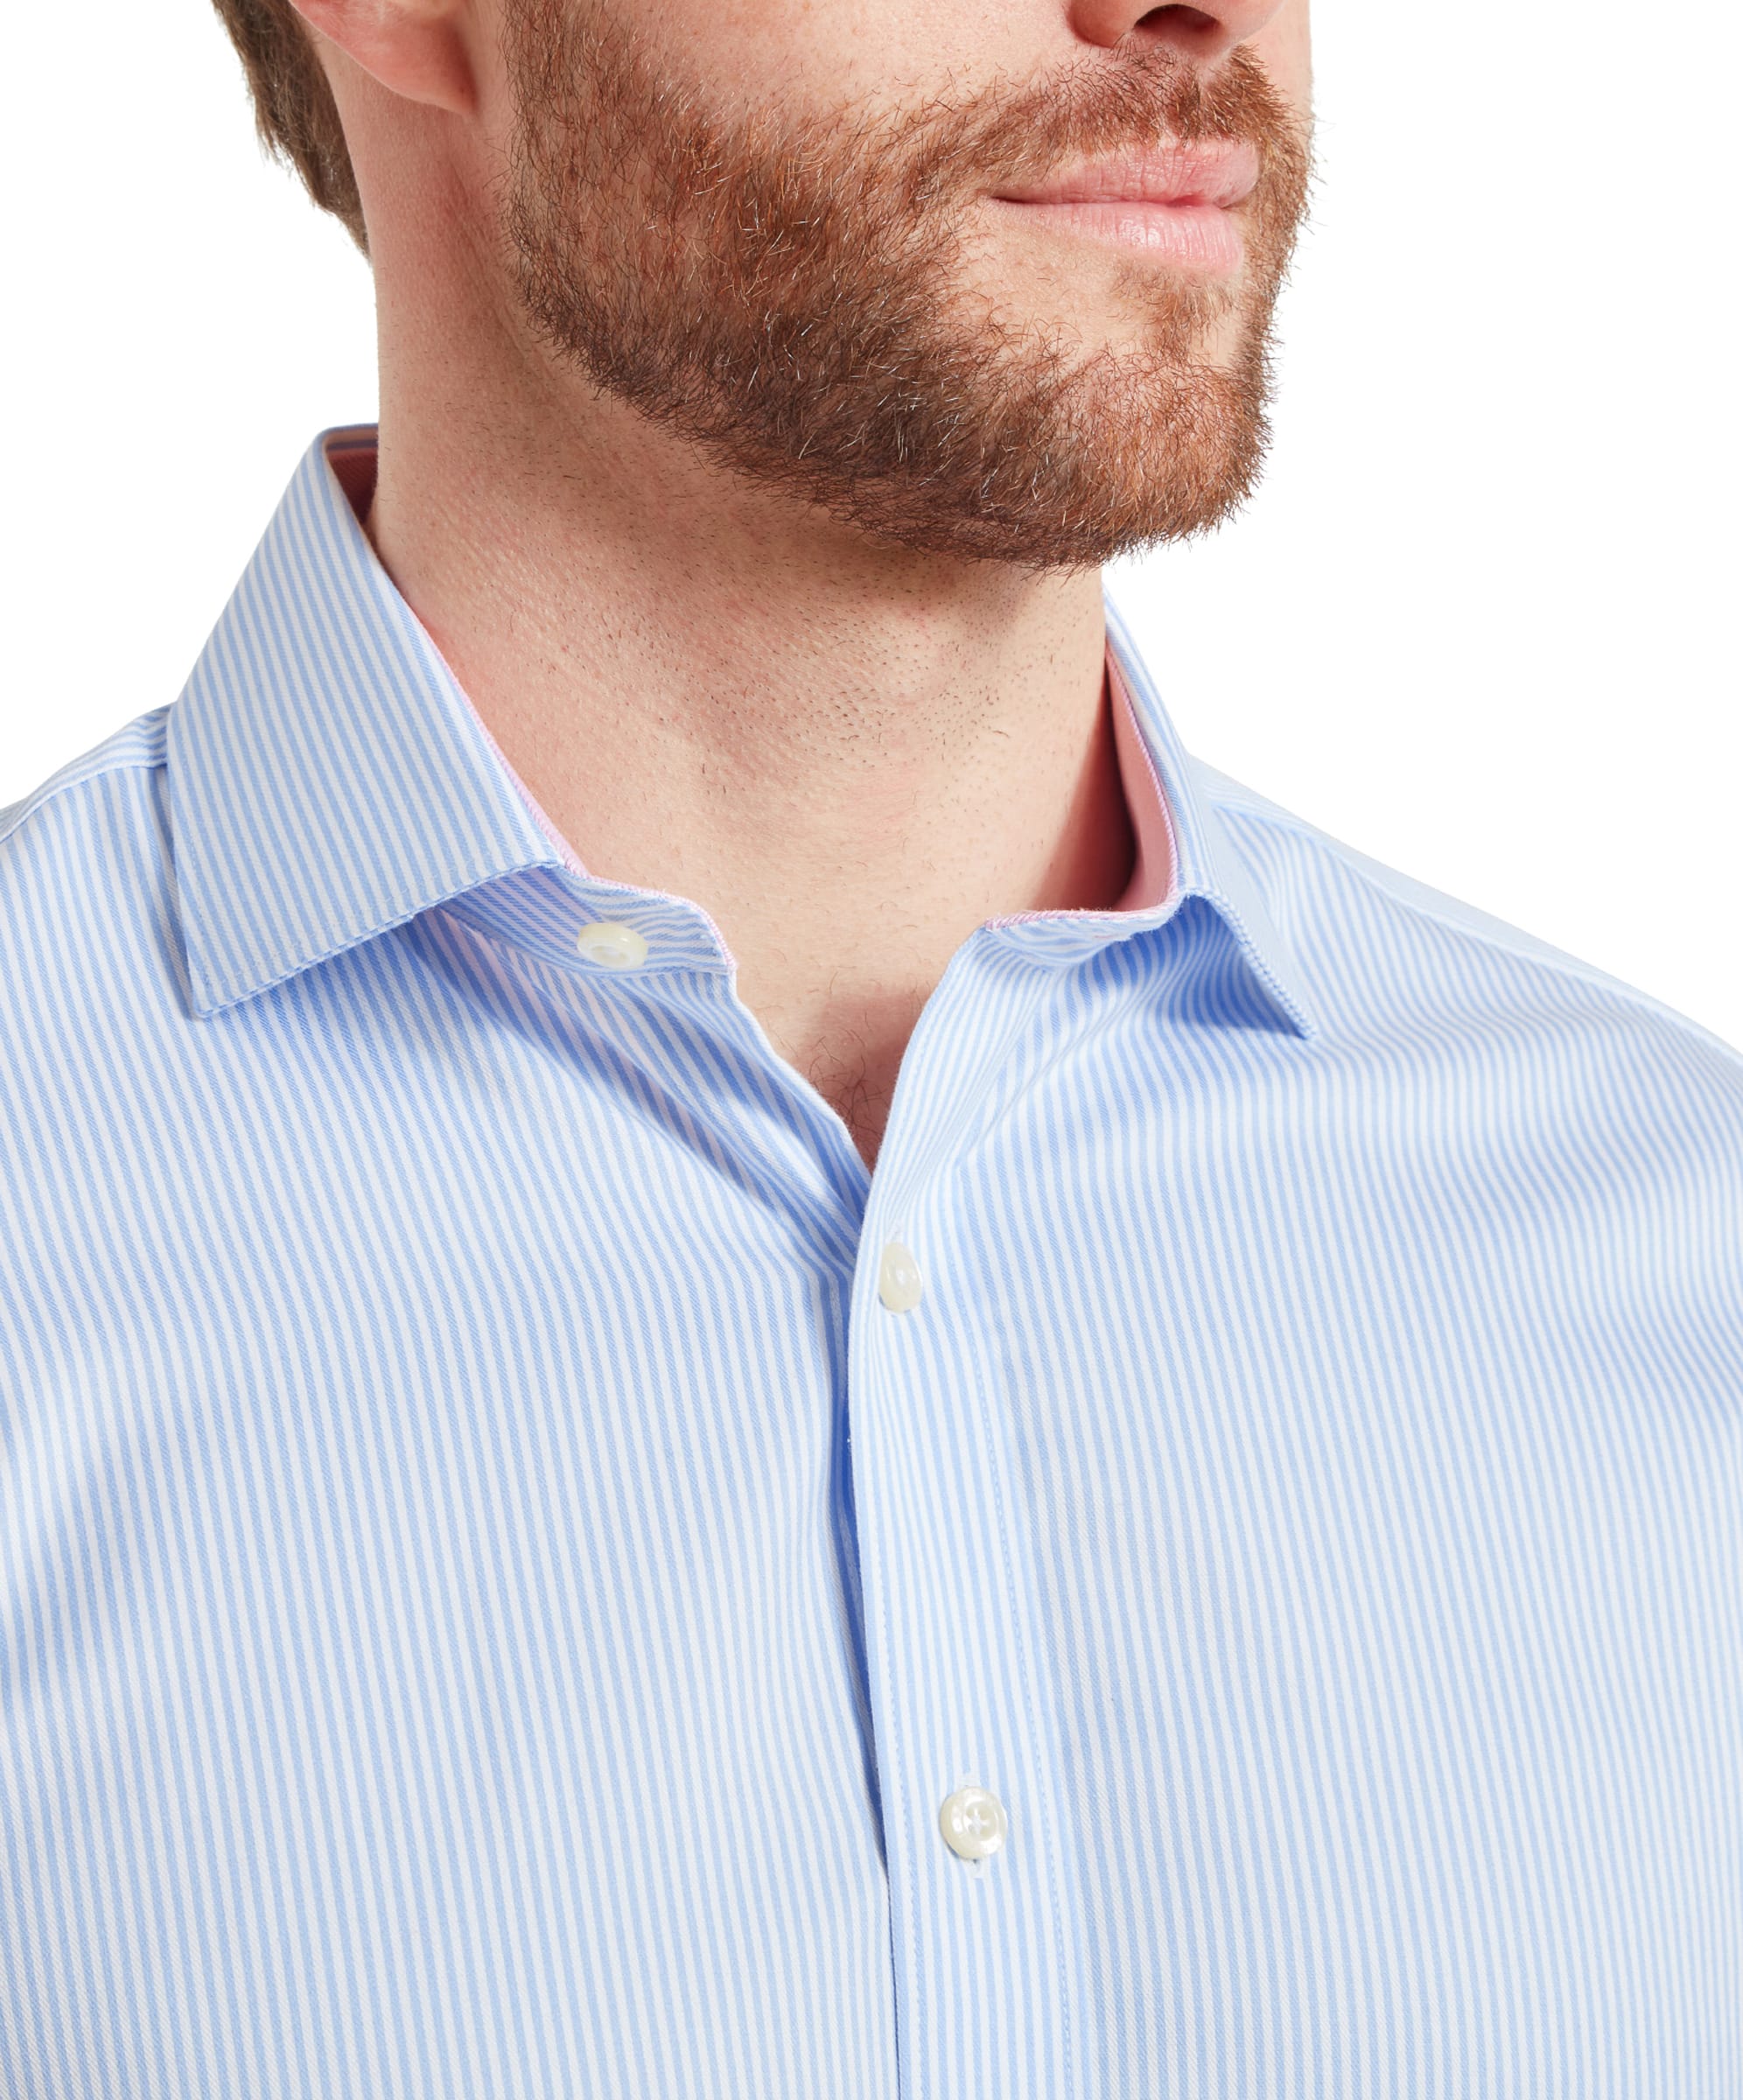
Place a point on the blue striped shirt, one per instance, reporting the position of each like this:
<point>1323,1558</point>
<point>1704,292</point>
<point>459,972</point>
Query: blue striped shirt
<point>1215,1573</point>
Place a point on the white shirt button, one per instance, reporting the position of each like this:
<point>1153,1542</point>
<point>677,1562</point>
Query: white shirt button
<point>898,1278</point>
<point>616,946</point>
<point>973,1822</point>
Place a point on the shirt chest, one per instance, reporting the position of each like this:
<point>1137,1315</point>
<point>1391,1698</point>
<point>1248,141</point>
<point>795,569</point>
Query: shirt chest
<point>515,1605</point>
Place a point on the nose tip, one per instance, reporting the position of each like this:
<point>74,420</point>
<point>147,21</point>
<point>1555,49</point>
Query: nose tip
<point>1206,34</point>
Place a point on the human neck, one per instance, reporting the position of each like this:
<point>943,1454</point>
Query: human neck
<point>850,755</point>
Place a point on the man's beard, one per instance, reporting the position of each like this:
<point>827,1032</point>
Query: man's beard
<point>787,293</point>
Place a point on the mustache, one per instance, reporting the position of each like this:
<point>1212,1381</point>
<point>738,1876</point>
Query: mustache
<point>1026,134</point>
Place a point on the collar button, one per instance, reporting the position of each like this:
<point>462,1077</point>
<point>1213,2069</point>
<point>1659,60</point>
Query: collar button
<point>611,944</point>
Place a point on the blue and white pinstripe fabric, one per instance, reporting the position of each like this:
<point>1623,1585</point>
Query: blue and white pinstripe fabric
<point>490,1601</point>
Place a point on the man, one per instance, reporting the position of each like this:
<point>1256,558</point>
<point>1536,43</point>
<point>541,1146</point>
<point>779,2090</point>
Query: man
<point>747,1353</point>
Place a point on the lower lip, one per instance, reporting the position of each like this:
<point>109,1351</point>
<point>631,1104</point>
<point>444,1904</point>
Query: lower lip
<point>1205,237</point>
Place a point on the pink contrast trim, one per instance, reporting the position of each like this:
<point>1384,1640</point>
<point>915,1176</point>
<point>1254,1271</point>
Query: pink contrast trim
<point>1153,876</point>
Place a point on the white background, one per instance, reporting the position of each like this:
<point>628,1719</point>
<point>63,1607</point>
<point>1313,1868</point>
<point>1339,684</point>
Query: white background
<point>1478,623</point>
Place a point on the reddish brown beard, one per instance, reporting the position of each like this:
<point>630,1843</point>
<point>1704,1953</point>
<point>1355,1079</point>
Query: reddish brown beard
<point>785,293</point>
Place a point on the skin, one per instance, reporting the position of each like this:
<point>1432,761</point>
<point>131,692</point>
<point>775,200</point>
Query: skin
<point>849,752</point>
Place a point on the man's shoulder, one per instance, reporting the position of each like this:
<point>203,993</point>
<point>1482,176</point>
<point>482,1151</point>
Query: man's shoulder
<point>63,804</point>
<point>83,863</point>
<point>1277,846</point>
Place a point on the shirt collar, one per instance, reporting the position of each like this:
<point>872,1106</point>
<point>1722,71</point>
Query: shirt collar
<point>328,778</point>
<point>1205,861</point>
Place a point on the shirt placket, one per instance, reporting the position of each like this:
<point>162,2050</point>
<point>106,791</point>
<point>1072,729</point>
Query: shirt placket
<point>986,1952</point>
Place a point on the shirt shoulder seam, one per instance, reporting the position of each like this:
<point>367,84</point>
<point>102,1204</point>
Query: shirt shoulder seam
<point>77,773</point>
<point>1246,801</point>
